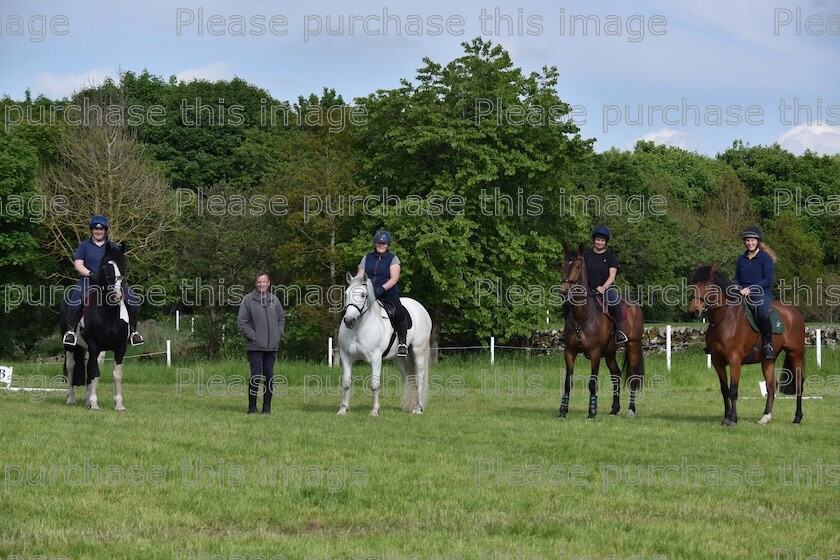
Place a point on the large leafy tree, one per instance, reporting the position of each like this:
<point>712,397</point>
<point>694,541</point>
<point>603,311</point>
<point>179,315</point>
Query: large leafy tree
<point>494,143</point>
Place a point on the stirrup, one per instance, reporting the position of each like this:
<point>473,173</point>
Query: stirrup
<point>620,337</point>
<point>402,350</point>
<point>69,338</point>
<point>136,339</point>
<point>767,353</point>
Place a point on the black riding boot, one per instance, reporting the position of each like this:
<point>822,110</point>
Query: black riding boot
<point>620,337</point>
<point>134,337</point>
<point>269,393</point>
<point>253,391</point>
<point>767,353</point>
<point>402,349</point>
<point>72,322</point>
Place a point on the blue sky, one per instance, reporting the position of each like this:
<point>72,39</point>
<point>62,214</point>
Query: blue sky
<point>638,70</point>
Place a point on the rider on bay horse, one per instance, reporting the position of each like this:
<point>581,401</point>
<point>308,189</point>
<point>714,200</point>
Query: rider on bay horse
<point>86,261</point>
<point>754,271</point>
<point>601,269</point>
<point>383,268</point>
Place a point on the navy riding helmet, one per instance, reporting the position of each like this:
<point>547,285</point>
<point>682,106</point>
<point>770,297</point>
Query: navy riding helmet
<point>601,231</point>
<point>98,221</point>
<point>751,231</point>
<point>382,237</point>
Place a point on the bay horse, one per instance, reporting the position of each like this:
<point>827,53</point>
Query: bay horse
<point>730,341</point>
<point>589,330</point>
<point>364,334</point>
<point>104,327</point>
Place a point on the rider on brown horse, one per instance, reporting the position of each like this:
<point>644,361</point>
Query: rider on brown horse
<point>753,276</point>
<point>601,269</point>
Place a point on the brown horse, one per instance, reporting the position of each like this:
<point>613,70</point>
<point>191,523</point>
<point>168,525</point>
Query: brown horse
<point>590,330</point>
<point>730,341</point>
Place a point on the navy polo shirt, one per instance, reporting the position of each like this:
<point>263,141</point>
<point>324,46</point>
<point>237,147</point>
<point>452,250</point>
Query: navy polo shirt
<point>91,253</point>
<point>756,271</point>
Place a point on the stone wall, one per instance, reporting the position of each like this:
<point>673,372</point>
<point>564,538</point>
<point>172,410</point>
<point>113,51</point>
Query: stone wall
<point>653,339</point>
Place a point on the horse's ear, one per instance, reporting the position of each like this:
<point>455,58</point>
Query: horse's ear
<point>123,246</point>
<point>348,277</point>
<point>580,249</point>
<point>715,268</point>
<point>699,264</point>
<point>565,247</point>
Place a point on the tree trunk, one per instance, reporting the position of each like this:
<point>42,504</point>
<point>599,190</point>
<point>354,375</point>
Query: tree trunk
<point>437,313</point>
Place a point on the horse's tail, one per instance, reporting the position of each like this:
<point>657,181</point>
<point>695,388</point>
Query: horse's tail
<point>640,370</point>
<point>787,379</point>
<point>410,396</point>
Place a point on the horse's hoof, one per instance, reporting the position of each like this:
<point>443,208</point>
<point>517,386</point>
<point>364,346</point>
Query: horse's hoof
<point>765,420</point>
<point>93,407</point>
<point>374,413</point>
<point>119,408</point>
<point>71,402</point>
<point>417,410</point>
<point>613,413</point>
<point>631,414</point>
<point>343,411</point>
<point>729,423</point>
<point>797,419</point>
<point>561,416</point>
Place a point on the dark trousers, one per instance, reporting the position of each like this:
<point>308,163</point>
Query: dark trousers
<point>399,310</point>
<point>262,367</point>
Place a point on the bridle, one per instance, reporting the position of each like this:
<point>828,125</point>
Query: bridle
<point>362,310</point>
<point>708,308</point>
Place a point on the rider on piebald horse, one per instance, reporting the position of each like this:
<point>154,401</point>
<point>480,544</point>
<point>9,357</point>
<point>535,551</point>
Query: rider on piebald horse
<point>383,268</point>
<point>601,269</point>
<point>86,261</point>
<point>754,271</point>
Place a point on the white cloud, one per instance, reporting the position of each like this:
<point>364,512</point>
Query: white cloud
<point>211,72</point>
<point>668,137</point>
<point>56,86</point>
<point>823,139</point>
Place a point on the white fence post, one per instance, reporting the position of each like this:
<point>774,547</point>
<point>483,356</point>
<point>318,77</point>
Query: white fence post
<point>177,320</point>
<point>492,350</point>
<point>330,352</point>
<point>819,348</point>
<point>668,347</point>
<point>709,361</point>
<point>192,325</point>
<point>168,353</point>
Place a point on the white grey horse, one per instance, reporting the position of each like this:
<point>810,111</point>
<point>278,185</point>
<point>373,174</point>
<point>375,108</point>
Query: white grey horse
<point>365,334</point>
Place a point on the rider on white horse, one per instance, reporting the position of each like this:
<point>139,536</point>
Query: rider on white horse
<point>383,268</point>
<point>86,261</point>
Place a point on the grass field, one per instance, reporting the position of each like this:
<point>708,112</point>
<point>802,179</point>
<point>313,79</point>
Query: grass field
<point>487,472</point>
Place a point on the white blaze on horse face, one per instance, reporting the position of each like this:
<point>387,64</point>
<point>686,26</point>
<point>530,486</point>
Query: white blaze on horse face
<point>118,280</point>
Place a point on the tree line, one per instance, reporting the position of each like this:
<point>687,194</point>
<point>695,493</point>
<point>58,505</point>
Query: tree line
<point>209,182</point>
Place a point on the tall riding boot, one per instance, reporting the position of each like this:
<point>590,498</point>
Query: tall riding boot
<point>253,391</point>
<point>767,353</point>
<point>269,392</point>
<point>73,319</point>
<point>134,337</point>
<point>402,349</point>
<point>620,337</point>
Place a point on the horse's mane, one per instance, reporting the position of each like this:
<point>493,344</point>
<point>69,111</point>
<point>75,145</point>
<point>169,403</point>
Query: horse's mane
<point>704,274</point>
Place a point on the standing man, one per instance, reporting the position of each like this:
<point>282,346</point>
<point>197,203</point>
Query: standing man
<point>262,321</point>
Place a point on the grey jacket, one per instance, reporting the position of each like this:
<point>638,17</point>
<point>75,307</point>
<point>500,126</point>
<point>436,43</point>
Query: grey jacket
<point>262,321</point>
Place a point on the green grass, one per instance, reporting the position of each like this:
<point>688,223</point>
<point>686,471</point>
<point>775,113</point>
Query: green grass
<point>487,472</point>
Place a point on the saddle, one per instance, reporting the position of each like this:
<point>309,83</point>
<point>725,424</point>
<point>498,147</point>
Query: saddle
<point>387,310</point>
<point>605,309</point>
<point>775,320</point>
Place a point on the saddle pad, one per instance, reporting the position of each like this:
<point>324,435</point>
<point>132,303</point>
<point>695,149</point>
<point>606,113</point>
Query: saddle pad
<point>606,310</point>
<point>778,325</point>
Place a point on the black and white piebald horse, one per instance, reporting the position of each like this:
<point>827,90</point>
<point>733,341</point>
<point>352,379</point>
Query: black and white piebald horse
<point>103,328</point>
